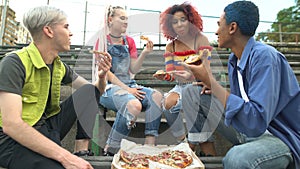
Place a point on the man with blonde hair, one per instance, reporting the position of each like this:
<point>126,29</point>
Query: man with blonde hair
<point>32,119</point>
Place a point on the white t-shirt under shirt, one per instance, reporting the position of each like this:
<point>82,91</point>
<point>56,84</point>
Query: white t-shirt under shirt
<point>242,90</point>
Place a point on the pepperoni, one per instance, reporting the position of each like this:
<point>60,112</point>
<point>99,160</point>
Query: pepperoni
<point>173,158</point>
<point>176,158</point>
<point>179,165</point>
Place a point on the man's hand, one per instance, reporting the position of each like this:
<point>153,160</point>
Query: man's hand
<point>73,162</point>
<point>205,89</point>
<point>201,72</point>
<point>103,62</point>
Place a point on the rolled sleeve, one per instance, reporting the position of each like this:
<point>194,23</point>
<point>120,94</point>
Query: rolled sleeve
<point>233,105</point>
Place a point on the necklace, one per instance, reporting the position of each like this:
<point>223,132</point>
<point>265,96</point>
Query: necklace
<point>113,36</point>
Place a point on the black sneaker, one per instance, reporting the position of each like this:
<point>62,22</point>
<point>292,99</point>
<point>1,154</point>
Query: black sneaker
<point>107,153</point>
<point>202,154</point>
<point>111,151</point>
<point>84,153</point>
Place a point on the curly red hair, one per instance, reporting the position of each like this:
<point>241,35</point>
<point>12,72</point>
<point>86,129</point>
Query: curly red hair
<point>191,13</point>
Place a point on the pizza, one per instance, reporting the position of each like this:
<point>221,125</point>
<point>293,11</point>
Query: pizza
<point>144,38</point>
<point>194,59</point>
<point>98,52</point>
<point>173,158</point>
<point>160,72</point>
<point>134,161</point>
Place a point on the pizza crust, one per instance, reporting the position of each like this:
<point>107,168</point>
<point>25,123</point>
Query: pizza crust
<point>142,37</point>
<point>194,59</point>
<point>98,52</point>
<point>160,72</point>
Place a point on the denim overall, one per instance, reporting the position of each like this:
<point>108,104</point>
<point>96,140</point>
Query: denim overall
<point>116,98</point>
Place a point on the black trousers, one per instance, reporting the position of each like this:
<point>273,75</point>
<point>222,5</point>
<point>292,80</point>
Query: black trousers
<point>81,105</point>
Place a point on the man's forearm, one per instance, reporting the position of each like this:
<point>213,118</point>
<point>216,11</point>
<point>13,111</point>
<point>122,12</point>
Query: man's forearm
<point>101,84</point>
<point>35,141</point>
<point>219,91</point>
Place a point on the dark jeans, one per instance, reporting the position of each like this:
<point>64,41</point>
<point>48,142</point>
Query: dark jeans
<point>81,105</point>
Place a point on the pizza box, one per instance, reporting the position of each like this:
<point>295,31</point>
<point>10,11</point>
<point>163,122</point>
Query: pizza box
<point>129,146</point>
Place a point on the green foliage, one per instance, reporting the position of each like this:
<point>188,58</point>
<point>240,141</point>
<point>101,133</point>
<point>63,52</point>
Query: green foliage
<point>286,28</point>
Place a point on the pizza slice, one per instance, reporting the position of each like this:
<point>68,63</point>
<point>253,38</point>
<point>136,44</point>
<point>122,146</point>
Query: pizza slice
<point>134,160</point>
<point>173,158</point>
<point>142,37</point>
<point>194,59</point>
<point>98,52</point>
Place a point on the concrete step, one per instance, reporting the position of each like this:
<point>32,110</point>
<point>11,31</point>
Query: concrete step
<point>165,137</point>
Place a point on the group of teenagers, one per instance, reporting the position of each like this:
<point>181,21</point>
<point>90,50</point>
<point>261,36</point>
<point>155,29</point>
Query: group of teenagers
<point>259,114</point>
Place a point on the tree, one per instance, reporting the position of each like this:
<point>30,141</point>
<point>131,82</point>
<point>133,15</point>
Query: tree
<point>286,28</point>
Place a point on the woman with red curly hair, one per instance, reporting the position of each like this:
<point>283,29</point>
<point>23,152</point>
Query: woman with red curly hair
<point>182,25</point>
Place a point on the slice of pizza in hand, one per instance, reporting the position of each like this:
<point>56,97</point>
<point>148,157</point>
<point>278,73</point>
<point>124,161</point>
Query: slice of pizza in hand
<point>97,52</point>
<point>160,72</point>
<point>142,37</point>
<point>196,59</point>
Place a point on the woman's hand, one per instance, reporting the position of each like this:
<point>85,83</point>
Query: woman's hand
<point>137,92</point>
<point>149,47</point>
<point>183,75</point>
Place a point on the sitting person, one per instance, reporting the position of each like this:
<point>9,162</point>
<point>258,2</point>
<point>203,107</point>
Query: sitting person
<point>181,24</point>
<point>32,120</point>
<point>261,112</point>
<point>123,95</point>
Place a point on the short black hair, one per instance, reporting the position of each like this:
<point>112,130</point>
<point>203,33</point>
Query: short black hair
<point>245,14</point>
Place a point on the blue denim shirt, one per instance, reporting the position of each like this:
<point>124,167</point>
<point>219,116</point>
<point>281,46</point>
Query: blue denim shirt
<point>273,92</point>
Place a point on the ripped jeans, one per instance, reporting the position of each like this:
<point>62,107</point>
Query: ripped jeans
<point>173,115</point>
<point>116,98</point>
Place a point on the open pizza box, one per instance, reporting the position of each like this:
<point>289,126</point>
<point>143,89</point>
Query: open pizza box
<point>129,146</point>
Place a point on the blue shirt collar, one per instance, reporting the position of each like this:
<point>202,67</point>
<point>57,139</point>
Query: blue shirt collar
<point>245,55</point>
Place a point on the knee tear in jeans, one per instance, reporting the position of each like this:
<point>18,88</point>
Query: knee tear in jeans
<point>169,106</point>
<point>131,119</point>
